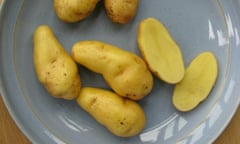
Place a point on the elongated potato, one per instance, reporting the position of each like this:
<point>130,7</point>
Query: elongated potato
<point>197,83</point>
<point>121,11</point>
<point>123,117</point>
<point>54,67</point>
<point>125,72</point>
<point>160,51</point>
<point>74,10</point>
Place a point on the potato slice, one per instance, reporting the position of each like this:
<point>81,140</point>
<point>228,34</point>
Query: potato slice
<point>197,83</point>
<point>160,51</point>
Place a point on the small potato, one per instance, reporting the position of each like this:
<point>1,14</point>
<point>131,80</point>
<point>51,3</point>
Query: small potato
<point>160,51</point>
<point>74,10</point>
<point>197,83</point>
<point>123,117</point>
<point>125,72</point>
<point>121,11</point>
<point>54,67</point>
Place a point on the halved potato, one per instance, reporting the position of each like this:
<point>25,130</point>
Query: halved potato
<point>197,83</point>
<point>160,51</point>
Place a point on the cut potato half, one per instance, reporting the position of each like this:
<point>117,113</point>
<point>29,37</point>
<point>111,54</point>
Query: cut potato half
<point>160,51</point>
<point>197,83</point>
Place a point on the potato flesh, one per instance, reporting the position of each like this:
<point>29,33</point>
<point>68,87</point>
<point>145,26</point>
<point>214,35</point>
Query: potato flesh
<point>122,117</point>
<point>74,10</point>
<point>55,69</point>
<point>121,11</point>
<point>197,83</point>
<point>160,51</point>
<point>126,73</point>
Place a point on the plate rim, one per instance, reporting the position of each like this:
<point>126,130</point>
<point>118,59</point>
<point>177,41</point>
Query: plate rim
<point>26,133</point>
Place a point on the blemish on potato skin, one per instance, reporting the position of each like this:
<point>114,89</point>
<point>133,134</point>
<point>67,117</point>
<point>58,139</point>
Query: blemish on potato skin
<point>93,102</point>
<point>53,61</point>
<point>48,73</point>
<point>123,121</point>
<point>131,96</point>
<point>80,14</point>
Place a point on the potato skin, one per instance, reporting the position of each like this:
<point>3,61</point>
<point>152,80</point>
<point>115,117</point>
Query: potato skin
<point>54,67</point>
<point>123,117</point>
<point>121,11</point>
<point>74,10</point>
<point>125,72</point>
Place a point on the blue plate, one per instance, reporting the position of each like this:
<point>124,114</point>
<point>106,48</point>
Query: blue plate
<point>197,26</point>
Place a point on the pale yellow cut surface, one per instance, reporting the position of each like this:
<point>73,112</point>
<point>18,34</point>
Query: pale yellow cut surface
<point>160,51</point>
<point>197,83</point>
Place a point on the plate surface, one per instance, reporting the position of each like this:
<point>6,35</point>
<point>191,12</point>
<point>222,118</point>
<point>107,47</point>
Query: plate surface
<point>206,25</point>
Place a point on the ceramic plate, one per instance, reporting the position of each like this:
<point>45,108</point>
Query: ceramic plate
<point>197,26</point>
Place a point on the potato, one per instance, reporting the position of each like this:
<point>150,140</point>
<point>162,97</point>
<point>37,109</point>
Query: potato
<point>54,67</point>
<point>121,11</point>
<point>123,117</point>
<point>160,51</point>
<point>125,72</point>
<point>74,10</point>
<point>197,83</point>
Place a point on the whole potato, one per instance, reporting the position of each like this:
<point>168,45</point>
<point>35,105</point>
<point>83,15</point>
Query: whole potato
<point>125,72</point>
<point>123,117</point>
<point>54,67</point>
<point>74,10</point>
<point>121,11</point>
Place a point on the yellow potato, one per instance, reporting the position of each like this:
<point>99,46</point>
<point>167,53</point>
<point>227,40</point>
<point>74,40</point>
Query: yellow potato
<point>160,51</point>
<point>123,117</point>
<point>121,11</point>
<point>74,10</point>
<point>55,69</point>
<point>197,83</point>
<point>125,72</point>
